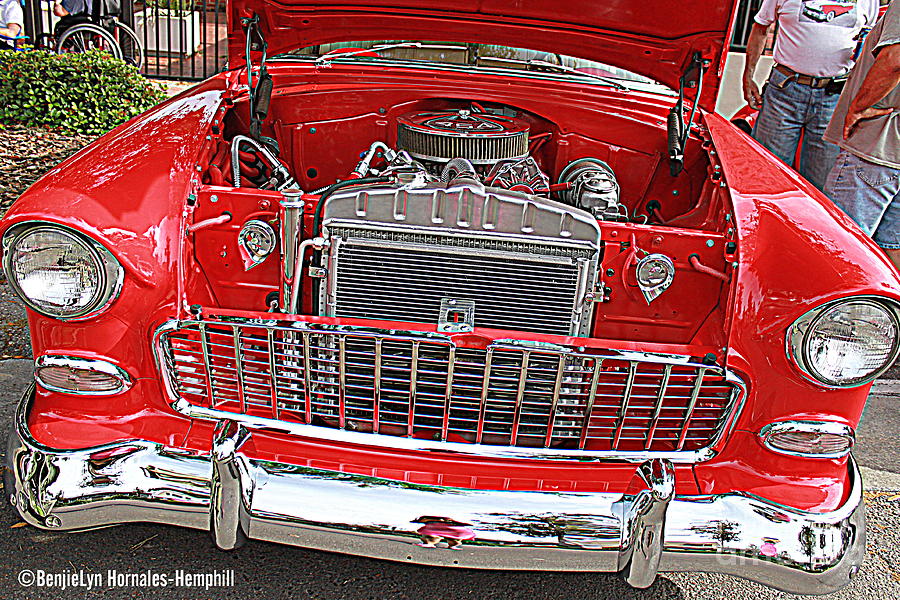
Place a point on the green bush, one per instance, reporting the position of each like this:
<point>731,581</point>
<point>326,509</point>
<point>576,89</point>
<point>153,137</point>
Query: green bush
<point>178,8</point>
<point>82,93</point>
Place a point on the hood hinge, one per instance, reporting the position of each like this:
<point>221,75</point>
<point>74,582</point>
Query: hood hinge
<point>261,92</point>
<point>678,131</point>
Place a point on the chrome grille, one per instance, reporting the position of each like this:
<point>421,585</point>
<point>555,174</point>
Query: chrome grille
<point>398,282</point>
<point>424,387</point>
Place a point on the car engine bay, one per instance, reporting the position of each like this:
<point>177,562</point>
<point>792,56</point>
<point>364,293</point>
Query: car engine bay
<point>463,214</point>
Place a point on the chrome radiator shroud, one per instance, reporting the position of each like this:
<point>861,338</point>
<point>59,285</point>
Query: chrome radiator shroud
<point>526,262</point>
<point>511,396</point>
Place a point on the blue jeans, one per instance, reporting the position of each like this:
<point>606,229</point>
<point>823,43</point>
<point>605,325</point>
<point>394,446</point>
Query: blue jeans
<point>870,195</point>
<point>792,110</point>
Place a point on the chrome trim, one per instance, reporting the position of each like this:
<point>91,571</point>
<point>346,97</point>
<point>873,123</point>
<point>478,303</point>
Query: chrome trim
<point>839,429</point>
<point>738,396</point>
<point>795,338</point>
<point>236,495</point>
<point>230,488</point>
<point>644,524</point>
<point>111,274</point>
<point>266,233</point>
<point>652,291</point>
<point>88,364</point>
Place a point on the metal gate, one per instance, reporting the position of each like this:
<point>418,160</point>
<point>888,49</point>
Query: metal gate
<point>182,39</point>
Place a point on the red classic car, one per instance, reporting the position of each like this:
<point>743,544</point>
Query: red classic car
<point>454,303</point>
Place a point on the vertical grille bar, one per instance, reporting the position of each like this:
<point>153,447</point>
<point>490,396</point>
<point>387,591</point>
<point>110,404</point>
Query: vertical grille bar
<point>204,345</point>
<point>238,365</point>
<point>589,404</point>
<point>499,395</point>
<point>688,413</point>
<point>489,356</point>
<point>307,389</point>
<point>376,391</point>
<point>273,372</point>
<point>342,375</point>
<point>413,376</point>
<point>520,394</point>
<point>448,393</point>
<point>623,407</point>
<point>551,422</point>
<point>657,408</point>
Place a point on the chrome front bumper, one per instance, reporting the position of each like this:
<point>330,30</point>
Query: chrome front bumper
<point>237,497</point>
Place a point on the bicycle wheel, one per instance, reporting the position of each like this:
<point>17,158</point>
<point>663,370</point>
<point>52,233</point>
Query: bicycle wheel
<point>132,51</point>
<point>87,36</point>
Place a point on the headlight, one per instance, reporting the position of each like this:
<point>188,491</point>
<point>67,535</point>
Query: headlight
<point>845,343</point>
<point>60,273</point>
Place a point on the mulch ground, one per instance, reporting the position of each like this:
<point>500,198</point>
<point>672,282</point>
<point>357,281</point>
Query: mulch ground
<point>25,154</point>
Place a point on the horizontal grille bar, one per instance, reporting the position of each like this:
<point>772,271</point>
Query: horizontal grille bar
<point>426,388</point>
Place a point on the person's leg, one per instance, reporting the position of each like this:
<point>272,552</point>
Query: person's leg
<point>894,257</point>
<point>781,118</point>
<point>870,195</point>
<point>817,156</point>
<point>887,236</point>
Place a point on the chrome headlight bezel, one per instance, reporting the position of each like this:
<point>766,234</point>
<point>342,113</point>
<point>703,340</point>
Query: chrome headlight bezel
<point>798,334</point>
<point>110,273</point>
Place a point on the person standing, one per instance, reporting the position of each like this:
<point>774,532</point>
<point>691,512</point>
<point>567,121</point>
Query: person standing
<point>865,180</point>
<point>70,12</point>
<point>11,20</point>
<point>813,53</point>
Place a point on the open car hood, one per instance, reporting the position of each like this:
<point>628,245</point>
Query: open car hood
<point>655,38</point>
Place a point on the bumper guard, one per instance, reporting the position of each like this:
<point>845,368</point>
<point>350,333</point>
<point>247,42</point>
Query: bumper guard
<point>237,497</point>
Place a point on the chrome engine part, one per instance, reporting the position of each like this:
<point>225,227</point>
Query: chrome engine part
<point>480,137</point>
<point>592,187</point>
<point>522,175</point>
<point>399,253</point>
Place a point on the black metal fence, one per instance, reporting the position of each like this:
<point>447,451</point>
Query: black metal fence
<point>182,39</point>
<point>743,24</point>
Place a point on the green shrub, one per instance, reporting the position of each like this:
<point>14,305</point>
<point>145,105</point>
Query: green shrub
<point>178,8</point>
<point>82,93</point>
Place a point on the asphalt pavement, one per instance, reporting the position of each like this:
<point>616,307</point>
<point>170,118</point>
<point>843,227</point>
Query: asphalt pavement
<point>269,571</point>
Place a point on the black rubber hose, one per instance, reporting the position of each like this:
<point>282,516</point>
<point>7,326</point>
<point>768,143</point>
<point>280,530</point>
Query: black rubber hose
<point>317,220</point>
<point>320,207</point>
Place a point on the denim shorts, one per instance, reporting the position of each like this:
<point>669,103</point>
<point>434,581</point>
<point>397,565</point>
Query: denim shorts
<point>870,194</point>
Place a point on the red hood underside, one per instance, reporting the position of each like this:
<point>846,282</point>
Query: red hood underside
<point>651,37</point>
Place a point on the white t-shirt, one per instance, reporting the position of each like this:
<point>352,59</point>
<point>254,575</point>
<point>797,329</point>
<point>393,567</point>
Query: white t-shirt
<point>11,12</point>
<point>815,37</point>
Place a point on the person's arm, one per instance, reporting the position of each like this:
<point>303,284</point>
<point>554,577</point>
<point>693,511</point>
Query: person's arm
<point>883,77</point>
<point>755,44</point>
<point>59,10</point>
<point>11,30</point>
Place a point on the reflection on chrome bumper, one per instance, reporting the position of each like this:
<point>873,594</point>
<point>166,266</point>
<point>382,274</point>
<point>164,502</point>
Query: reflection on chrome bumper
<point>238,497</point>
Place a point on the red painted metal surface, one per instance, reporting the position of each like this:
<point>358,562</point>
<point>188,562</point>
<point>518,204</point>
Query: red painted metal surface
<point>657,39</point>
<point>136,191</point>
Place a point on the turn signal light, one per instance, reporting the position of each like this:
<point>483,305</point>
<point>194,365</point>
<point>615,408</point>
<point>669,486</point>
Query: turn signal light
<point>809,438</point>
<point>73,375</point>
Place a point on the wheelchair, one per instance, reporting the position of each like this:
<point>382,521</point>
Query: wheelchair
<point>100,29</point>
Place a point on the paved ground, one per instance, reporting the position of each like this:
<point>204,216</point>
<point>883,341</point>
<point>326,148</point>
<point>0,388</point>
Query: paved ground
<point>270,571</point>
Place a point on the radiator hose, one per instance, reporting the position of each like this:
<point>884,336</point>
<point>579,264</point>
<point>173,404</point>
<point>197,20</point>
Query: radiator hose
<point>320,207</point>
